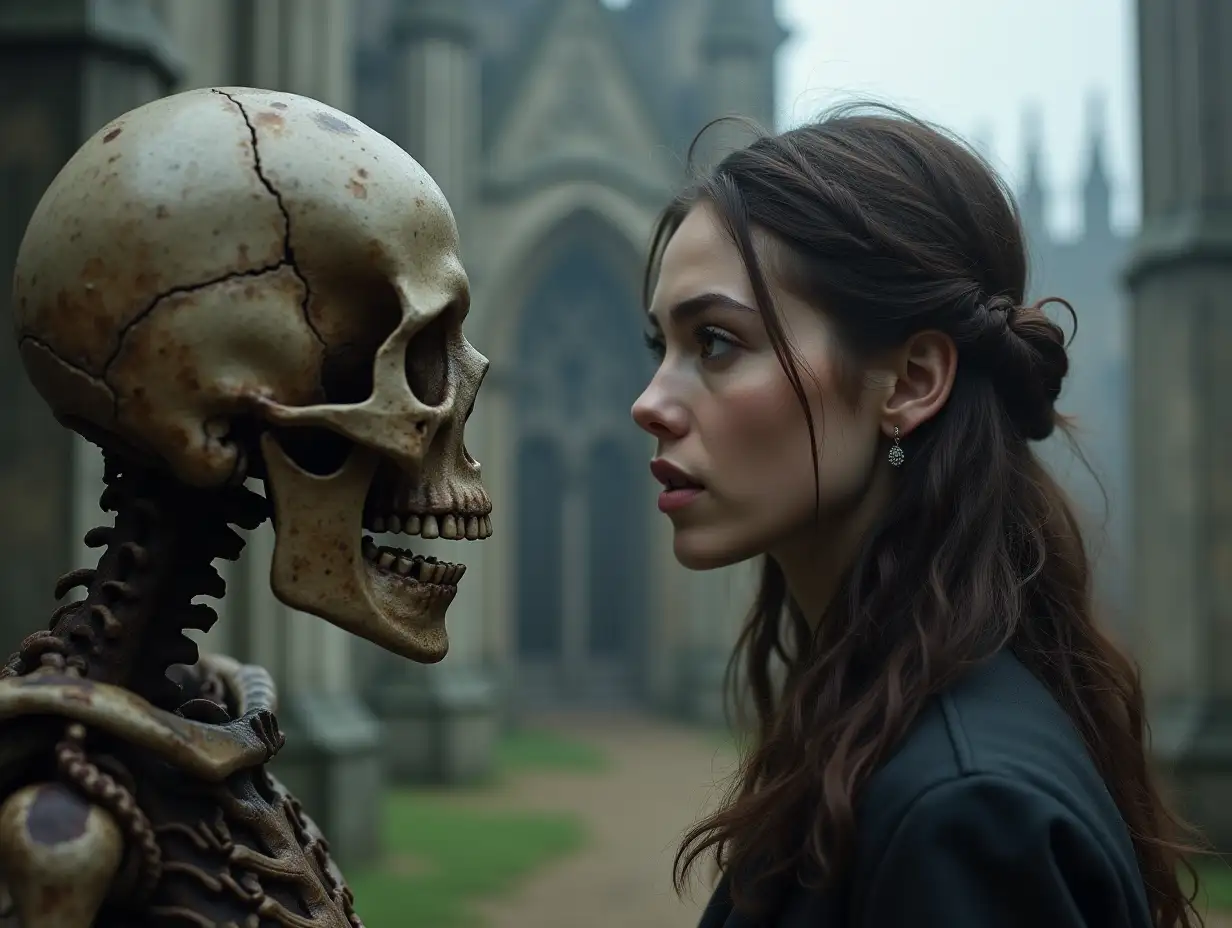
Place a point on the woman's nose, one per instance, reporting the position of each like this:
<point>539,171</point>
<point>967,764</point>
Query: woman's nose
<point>657,413</point>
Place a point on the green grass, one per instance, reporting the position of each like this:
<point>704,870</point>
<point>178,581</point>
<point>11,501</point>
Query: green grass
<point>528,749</point>
<point>1214,885</point>
<point>439,859</point>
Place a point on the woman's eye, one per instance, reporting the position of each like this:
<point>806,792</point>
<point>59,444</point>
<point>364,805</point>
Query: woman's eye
<point>714,343</point>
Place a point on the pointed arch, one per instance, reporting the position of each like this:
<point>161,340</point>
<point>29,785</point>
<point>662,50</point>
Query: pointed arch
<point>616,227</point>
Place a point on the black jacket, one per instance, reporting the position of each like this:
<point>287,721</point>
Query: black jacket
<point>989,815</point>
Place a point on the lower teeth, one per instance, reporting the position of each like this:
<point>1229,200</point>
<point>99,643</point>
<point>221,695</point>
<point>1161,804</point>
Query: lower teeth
<point>412,566</point>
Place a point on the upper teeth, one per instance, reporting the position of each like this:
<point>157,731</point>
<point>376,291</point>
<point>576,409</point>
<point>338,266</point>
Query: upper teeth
<point>454,525</point>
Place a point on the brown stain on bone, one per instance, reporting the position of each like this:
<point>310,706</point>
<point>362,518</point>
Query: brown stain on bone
<point>358,190</point>
<point>111,136</point>
<point>272,121</point>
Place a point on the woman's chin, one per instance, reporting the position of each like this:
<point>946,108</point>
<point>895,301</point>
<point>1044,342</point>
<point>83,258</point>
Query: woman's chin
<point>697,549</point>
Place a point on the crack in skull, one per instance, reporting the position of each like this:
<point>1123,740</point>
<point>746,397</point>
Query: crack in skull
<point>288,249</point>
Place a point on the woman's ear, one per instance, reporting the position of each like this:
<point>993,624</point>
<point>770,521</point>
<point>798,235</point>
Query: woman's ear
<point>924,369</point>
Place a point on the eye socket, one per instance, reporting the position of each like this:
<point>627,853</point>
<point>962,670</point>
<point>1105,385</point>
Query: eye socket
<point>346,373</point>
<point>427,357</point>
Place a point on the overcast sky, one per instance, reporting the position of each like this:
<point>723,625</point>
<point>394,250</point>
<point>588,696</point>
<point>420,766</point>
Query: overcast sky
<point>977,67</point>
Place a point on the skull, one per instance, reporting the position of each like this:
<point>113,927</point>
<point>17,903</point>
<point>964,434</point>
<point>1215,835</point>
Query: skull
<point>239,283</point>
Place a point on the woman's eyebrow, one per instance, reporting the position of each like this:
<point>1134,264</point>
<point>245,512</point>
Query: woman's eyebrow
<point>695,305</point>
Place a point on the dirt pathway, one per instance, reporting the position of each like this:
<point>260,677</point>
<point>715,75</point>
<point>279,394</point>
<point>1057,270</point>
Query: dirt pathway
<point>661,778</point>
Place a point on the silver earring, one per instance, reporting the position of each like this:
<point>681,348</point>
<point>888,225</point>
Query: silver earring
<point>896,451</point>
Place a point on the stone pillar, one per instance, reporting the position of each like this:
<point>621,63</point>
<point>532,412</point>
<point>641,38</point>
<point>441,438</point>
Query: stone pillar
<point>739,40</point>
<point>1181,343</point>
<point>574,568</point>
<point>437,75</point>
<point>66,68</point>
<point>332,761</point>
<point>441,720</point>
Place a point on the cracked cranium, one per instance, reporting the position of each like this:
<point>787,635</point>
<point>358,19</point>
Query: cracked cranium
<point>241,283</point>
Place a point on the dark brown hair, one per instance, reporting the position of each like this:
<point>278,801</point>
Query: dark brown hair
<point>893,227</point>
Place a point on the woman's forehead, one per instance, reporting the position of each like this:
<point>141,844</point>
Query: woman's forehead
<point>700,257</point>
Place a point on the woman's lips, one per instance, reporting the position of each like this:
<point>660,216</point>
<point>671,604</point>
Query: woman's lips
<point>675,500</point>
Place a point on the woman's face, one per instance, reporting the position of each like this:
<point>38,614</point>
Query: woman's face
<point>728,424</point>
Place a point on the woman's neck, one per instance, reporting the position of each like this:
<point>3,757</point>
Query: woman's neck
<point>814,562</point>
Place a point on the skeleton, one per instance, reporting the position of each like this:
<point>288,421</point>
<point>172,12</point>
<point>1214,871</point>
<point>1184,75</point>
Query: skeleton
<point>222,286</point>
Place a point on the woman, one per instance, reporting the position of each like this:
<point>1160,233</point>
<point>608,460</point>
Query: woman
<point>849,381</point>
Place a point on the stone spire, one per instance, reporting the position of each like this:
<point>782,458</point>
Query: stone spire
<point>1033,201</point>
<point>1096,187</point>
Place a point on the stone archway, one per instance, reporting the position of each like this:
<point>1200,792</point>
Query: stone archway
<point>579,569</point>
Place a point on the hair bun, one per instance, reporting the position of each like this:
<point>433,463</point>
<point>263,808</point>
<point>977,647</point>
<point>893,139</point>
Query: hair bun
<point>1024,352</point>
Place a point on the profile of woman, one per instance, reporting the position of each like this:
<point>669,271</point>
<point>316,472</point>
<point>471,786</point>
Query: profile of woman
<point>850,381</point>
